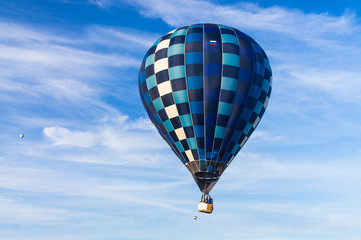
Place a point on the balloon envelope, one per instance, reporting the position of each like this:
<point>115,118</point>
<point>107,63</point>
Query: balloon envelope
<point>205,87</point>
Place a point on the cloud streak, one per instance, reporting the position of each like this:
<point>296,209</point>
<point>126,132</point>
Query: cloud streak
<point>248,16</point>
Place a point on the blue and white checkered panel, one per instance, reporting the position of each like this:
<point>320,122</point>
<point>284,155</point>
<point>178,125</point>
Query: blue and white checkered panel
<point>194,82</point>
<point>177,103</point>
<point>152,95</point>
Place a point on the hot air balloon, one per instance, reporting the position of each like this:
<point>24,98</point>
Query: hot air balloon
<point>205,87</point>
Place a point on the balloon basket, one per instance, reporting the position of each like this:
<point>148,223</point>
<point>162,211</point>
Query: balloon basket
<point>206,204</point>
<point>205,207</point>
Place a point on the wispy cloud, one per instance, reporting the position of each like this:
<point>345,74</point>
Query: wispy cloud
<point>67,73</point>
<point>121,38</point>
<point>249,16</point>
<point>119,137</point>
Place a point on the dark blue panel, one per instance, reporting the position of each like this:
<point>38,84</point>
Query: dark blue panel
<point>225,144</point>
<point>227,31</point>
<point>210,119</point>
<point>213,69</point>
<point>230,71</point>
<point>161,54</point>
<point>245,75</point>
<point>194,47</point>
<point>227,96</point>
<point>176,60</point>
<point>230,48</point>
<point>239,99</point>
<point>245,63</point>
<point>178,84</point>
<point>200,142</point>
<point>259,57</point>
<point>236,111</point>
<point>241,35</point>
<point>168,36</point>
<point>213,57</point>
<point>194,70</point>
<point>251,103</point>
<point>262,97</point>
<point>209,141</point>
<point>195,30</point>
<point>163,115</point>
<point>142,67</point>
<point>228,134</point>
<point>222,120</point>
<point>241,125</point>
<point>183,108</point>
<point>243,87</point>
<point>198,119</point>
<point>212,95</point>
<point>232,122</point>
<point>211,108</point>
<point>167,99</point>
<point>185,145</point>
<point>162,76</point>
<point>189,131</point>
<point>143,88</point>
<point>150,51</point>
<point>176,40</point>
<point>246,114</point>
<point>195,95</point>
<point>149,71</point>
<point>211,28</point>
<point>152,109</point>
<point>176,122</point>
<point>154,94</point>
<point>253,117</point>
<point>195,154</point>
<point>163,130</point>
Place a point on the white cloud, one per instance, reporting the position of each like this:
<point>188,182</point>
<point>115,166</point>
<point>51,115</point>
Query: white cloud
<point>266,136</point>
<point>37,63</point>
<point>63,136</point>
<point>17,212</point>
<point>119,133</point>
<point>312,28</point>
<point>121,38</point>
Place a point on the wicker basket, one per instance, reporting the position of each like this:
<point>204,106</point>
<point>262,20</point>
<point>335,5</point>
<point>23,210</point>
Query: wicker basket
<point>205,207</point>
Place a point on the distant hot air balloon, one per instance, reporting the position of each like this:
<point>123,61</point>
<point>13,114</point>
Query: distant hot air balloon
<point>21,135</point>
<point>205,87</point>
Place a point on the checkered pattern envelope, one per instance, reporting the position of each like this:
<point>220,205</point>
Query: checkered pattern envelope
<point>205,87</point>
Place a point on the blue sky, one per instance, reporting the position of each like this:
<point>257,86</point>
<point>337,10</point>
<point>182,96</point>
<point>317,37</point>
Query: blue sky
<point>91,166</point>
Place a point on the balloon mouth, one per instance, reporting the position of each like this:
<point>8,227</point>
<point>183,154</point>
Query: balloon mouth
<point>206,180</point>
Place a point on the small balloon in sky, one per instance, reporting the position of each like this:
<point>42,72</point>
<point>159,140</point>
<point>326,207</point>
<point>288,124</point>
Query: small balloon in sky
<point>21,135</point>
<point>195,217</point>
